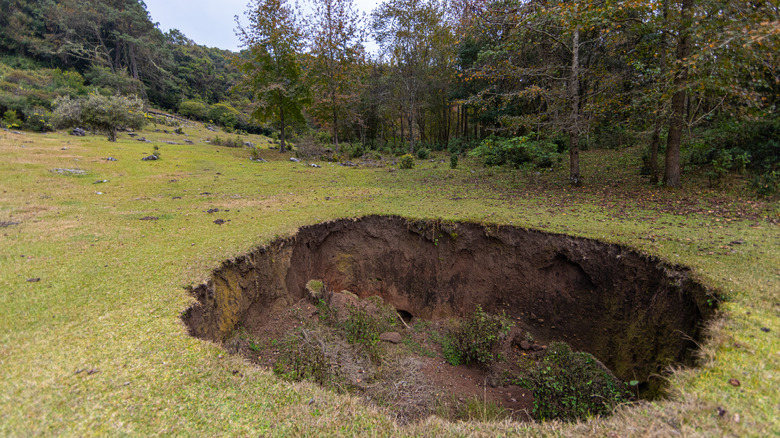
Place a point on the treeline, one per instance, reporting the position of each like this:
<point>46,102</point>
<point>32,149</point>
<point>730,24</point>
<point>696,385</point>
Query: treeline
<point>517,81</point>
<point>59,48</point>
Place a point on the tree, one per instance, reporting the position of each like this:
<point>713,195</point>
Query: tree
<point>337,52</point>
<point>101,113</point>
<point>684,42</point>
<point>272,68</point>
<point>405,30</point>
<point>536,56</point>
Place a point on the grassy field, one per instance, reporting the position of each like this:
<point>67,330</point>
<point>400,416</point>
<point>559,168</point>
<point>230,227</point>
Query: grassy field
<point>96,346</point>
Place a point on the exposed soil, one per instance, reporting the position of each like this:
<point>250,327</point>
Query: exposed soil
<point>636,314</point>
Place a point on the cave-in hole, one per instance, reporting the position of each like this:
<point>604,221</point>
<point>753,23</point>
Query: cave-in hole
<point>634,313</point>
<point>405,316</point>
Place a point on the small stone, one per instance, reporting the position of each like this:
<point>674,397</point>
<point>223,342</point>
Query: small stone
<point>79,132</point>
<point>294,160</point>
<point>734,382</point>
<point>392,337</point>
<point>33,280</point>
<point>100,181</point>
<point>110,159</point>
<point>152,157</point>
<point>315,165</point>
<point>219,221</point>
<point>765,329</point>
<point>525,345</point>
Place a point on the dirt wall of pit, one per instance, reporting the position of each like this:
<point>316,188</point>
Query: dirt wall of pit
<point>633,312</point>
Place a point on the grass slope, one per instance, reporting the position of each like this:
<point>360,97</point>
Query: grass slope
<point>96,346</point>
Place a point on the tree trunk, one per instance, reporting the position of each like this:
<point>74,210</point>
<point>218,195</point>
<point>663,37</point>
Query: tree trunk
<point>574,96</point>
<point>281,136</point>
<point>335,125</point>
<point>672,165</point>
<point>654,141</point>
<point>658,124</point>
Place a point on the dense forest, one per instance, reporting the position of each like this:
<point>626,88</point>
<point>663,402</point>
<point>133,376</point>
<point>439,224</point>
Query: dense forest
<point>512,82</point>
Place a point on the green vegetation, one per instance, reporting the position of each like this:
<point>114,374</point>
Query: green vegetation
<point>98,113</point>
<point>684,93</point>
<point>116,297</point>
<point>573,386</point>
<point>476,338</point>
<point>406,162</point>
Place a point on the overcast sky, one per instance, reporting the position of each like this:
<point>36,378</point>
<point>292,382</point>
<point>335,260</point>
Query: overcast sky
<point>208,22</point>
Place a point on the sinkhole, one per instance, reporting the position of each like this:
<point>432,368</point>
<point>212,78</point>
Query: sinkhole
<point>635,314</point>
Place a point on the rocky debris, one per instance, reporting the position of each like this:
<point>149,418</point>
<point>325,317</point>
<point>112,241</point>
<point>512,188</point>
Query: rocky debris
<point>149,218</point>
<point>4,224</point>
<point>392,337</point>
<point>170,142</point>
<point>133,134</point>
<point>33,280</point>
<point>100,181</point>
<point>188,141</point>
<point>152,157</point>
<point>63,171</point>
<point>110,159</point>
<point>315,165</point>
<point>295,160</point>
<point>78,132</point>
<point>219,221</point>
<point>212,128</point>
<point>347,164</point>
<point>258,159</point>
<point>525,345</point>
<point>249,144</point>
<point>212,210</point>
<point>64,148</point>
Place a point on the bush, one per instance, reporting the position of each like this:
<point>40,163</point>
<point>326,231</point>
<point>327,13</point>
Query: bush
<point>767,183</point>
<point>407,162</point>
<point>453,161</point>
<point>194,109</point>
<point>224,114</point>
<point>301,357</point>
<point>574,386</point>
<point>11,120</point>
<point>39,121</point>
<point>423,153</point>
<point>480,334</point>
<point>100,113</point>
<point>352,150</point>
<point>517,152</point>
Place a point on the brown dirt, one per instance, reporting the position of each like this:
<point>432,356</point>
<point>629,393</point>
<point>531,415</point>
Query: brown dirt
<point>419,381</point>
<point>636,314</point>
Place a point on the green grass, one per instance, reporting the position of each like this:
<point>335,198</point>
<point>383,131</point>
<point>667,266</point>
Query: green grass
<point>111,285</point>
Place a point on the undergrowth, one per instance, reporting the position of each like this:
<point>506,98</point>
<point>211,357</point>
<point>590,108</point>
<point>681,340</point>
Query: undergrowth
<point>572,386</point>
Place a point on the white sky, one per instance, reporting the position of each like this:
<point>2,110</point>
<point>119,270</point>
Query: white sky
<point>210,23</point>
